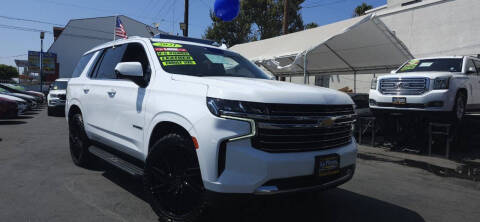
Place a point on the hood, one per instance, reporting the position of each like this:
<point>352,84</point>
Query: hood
<point>58,91</point>
<point>267,91</point>
<point>12,98</point>
<point>23,96</point>
<point>431,75</point>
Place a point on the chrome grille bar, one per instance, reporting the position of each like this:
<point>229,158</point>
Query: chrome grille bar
<point>404,86</point>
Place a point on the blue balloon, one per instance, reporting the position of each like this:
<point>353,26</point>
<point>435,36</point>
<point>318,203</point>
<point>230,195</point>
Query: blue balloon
<point>227,10</point>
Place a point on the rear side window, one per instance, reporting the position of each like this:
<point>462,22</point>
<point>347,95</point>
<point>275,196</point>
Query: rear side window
<point>477,64</point>
<point>470,66</point>
<point>81,65</point>
<point>111,57</point>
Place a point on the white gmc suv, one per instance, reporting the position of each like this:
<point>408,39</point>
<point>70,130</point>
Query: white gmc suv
<point>195,119</point>
<point>443,85</point>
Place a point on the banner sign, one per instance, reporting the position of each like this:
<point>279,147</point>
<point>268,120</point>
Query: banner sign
<point>49,60</point>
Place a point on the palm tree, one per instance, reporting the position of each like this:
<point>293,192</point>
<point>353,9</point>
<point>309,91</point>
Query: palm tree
<point>361,9</point>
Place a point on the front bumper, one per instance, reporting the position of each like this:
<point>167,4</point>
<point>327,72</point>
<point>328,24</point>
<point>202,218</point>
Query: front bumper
<point>56,103</point>
<point>249,170</point>
<point>429,101</point>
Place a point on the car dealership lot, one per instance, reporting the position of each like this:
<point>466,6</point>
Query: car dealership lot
<point>40,183</point>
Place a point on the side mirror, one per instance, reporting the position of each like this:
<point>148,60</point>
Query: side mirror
<point>132,71</point>
<point>393,71</point>
<point>471,70</point>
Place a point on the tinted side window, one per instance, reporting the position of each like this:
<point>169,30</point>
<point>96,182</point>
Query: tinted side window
<point>81,65</point>
<point>111,57</point>
<point>136,53</point>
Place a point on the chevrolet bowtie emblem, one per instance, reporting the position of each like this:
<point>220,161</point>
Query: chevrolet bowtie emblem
<point>327,122</point>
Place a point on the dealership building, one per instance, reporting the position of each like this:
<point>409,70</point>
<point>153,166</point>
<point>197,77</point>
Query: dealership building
<point>81,35</point>
<point>426,28</point>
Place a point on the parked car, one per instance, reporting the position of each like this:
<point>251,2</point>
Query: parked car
<point>438,85</point>
<point>8,108</point>
<point>31,100</point>
<point>194,119</point>
<point>23,94</point>
<point>57,95</point>
<point>20,89</point>
<point>22,104</point>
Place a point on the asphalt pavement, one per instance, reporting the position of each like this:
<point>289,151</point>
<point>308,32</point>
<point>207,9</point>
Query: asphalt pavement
<point>39,182</point>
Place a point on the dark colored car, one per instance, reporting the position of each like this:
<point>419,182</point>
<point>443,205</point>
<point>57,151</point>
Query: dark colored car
<point>361,103</point>
<point>8,108</point>
<point>39,99</point>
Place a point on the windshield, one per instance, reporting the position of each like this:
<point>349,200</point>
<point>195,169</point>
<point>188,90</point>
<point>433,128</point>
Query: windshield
<point>59,85</point>
<point>438,65</point>
<point>195,60</point>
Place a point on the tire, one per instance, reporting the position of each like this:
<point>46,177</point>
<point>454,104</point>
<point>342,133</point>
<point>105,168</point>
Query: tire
<point>459,107</point>
<point>79,142</point>
<point>173,181</point>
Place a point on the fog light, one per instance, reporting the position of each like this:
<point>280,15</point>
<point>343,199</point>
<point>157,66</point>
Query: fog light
<point>372,102</point>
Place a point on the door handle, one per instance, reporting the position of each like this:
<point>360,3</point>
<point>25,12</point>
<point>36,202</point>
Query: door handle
<point>111,93</point>
<point>85,90</point>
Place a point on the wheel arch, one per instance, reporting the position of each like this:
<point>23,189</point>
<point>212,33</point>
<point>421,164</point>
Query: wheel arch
<point>166,123</point>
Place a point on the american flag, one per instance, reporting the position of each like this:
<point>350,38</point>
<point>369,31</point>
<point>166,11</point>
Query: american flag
<point>120,29</point>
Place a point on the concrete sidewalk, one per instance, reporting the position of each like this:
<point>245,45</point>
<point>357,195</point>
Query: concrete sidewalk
<point>437,165</point>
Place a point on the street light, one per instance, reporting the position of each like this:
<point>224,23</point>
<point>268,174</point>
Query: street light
<point>42,36</point>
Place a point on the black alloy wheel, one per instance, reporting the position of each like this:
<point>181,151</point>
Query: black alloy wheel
<point>173,180</point>
<point>79,142</point>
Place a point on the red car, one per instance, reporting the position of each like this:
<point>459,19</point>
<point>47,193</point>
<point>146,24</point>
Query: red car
<point>8,108</point>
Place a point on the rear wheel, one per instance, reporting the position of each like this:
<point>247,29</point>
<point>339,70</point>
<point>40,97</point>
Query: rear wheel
<point>79,141</point>
<point>173,180</point>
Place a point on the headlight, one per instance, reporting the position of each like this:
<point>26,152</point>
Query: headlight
<point>53,95</point>
<point>441,83</point>
<point>220,107</point>
<point>373,85</point>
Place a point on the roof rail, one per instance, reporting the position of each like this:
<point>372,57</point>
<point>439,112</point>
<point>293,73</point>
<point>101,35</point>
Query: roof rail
<point>188,39</point>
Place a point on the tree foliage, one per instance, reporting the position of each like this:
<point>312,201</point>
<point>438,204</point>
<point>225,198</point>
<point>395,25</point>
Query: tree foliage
<point>258,19</point>
<point>7,72</point>
<point>361,9</point>
<point>311,25</point>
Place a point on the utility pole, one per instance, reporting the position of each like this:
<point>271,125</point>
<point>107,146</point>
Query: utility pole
<point>284,27</point>
<point>42,35</point>
<point>185,20</point>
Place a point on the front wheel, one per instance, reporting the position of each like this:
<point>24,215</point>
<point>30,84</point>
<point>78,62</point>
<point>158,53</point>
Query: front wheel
<point>173,181</point>
<point>459,107</point>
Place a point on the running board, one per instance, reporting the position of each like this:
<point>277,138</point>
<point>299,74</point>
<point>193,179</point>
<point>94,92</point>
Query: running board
<point>116,161</point>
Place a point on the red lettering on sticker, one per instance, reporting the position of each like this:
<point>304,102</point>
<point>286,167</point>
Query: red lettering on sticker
<point>170,49</point>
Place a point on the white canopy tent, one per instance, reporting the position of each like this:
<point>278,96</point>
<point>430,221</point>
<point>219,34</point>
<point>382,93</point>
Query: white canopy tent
<point>358,45</point>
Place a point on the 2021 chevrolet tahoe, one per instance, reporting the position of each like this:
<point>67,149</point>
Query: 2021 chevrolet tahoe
<point>193,119</point>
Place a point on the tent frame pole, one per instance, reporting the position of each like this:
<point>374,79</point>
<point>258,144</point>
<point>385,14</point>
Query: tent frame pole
<point>305,68</point>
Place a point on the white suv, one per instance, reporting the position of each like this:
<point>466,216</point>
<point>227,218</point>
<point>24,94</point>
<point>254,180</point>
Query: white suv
<point>194,119</point>
<point>57,95</point>
<point>442,84</point>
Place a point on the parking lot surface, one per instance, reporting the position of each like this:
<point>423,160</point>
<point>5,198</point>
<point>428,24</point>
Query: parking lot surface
<point>39,182</point>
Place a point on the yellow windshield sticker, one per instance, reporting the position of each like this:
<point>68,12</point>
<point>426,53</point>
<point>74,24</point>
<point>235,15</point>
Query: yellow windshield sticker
<point>167,44</point>
<point>410,65</point>
<point>177,63</point>
<point>180,58</point>
<point>172,53</point>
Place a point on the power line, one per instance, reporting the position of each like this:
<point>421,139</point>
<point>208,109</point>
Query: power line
<point>29,20</point>
<point>14,56</point>
<point>315,5</point>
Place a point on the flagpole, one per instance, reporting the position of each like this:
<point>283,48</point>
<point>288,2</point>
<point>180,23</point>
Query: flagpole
<point>114,28</point>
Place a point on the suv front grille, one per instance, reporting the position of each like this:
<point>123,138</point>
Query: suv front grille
<point>298,128</point>
<point>404,86</point>
<point>62,96</point>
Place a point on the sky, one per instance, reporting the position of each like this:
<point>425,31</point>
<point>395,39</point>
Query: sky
<point>15,43</point>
